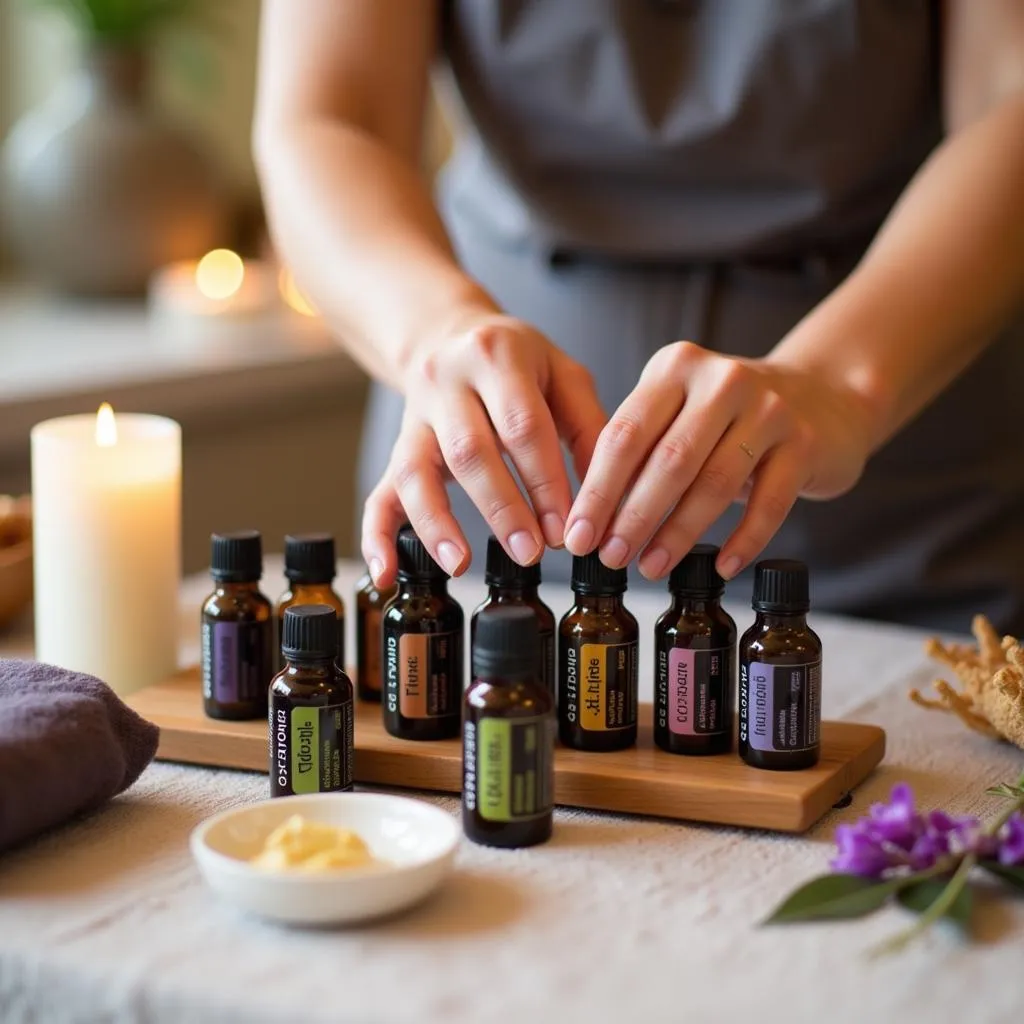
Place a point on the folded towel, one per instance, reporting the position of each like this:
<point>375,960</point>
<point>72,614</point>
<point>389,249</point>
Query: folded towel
<point>68,743</point>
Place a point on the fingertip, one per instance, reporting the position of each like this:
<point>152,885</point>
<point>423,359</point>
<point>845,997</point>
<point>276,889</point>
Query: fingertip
<point>553,527</point>
<point>580,537</point>
<point>729,566</point>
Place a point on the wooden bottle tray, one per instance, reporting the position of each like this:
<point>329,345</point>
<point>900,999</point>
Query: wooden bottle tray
<point>642,780</point>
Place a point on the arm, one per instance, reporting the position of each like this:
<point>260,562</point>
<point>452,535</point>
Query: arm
<point>340,106</point>
<point>943,275</point>
<point>947,269</point>
<point>339,120</point>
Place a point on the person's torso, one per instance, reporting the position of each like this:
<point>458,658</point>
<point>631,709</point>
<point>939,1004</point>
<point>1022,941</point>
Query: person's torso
<point>689,129</point>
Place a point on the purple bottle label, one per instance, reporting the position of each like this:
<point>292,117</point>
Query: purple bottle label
<point>696,691</point>
<point>237,665</point>
<point>782,705</point>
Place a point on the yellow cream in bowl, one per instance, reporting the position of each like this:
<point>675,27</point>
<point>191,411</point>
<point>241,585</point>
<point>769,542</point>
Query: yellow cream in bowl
<point>311,847</point>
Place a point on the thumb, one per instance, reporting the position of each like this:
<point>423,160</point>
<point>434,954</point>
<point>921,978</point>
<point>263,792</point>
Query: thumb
<point>576,410</point>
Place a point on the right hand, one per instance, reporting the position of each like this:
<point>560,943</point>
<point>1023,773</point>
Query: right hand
<point>486,385</point>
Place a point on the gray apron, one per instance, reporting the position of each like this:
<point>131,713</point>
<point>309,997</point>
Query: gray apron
<point>642,171</point>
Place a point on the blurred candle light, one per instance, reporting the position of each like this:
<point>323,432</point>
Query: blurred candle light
<point>293,295</point>
<point>220,274</point>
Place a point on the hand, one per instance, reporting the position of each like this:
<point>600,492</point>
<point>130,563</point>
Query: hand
<point>487,385</point>
<point>700,431</point>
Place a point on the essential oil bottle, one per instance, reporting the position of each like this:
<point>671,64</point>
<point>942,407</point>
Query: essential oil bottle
<point>422,638</point>
<point>310,568</point>
<point>597,661</point>
<point>512,585</point>
<point>780,672</point>
<point>370,605</point>
<point>695,661</point>
<point>508,735</point>
<point>237,630</point>
<point>310,719</point>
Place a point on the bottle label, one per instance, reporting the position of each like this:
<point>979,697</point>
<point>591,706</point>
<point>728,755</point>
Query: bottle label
<point>311,747</point>
<point>780,706</point>
<point>237,660</point>
<point>695,690</point>
<point>607,686</point>
<point>509,765</point>
<point>369,646</point>
<point>547,661</point>
<point>423,667</point>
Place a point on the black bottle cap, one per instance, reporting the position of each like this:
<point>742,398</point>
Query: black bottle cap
<point>696,574</point>
<point>236,557</point>
<point>781,585</point>
<point>503,570</point>
<point>591,576</point>
<point>506,643</point>
<point>310,631</point>
<point>414,561</point>
<point>309,558</point>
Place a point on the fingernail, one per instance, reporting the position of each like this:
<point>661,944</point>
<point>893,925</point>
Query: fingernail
<point>729,567</point>
<point>376,568</point>
<point>654,563</point>
<point>450,556</point>
<point>553,526</point>
<point>580,539</point>
<point>615,554</point>
<point>525,548</point>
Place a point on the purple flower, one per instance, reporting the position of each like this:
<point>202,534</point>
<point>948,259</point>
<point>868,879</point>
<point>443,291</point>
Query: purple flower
<point>895,838</point>
<point>1011,841</point>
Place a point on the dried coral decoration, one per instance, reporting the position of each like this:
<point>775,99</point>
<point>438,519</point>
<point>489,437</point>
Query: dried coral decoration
<point>991,695</point>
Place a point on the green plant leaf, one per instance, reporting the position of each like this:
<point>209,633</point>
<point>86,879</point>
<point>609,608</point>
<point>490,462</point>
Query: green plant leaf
<point>1012,875</point>
<point>834,897</point>
<point>1003,790</point>
<point>919,896</point>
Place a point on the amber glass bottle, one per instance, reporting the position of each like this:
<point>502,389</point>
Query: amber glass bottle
<point>508,735</point>
<point>310,708</point>
<point>370,605</point>
<point>695,661</point>
<point>597,661</point>
<point>423,655</point>
<point>512,585</point>
<point>780,672</point>
<point>237,630</point>
<point>310,568</point>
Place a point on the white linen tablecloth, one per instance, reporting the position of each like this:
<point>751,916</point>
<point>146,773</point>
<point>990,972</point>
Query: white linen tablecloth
<point>615,919</point>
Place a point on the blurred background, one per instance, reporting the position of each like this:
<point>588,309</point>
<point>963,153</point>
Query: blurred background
<point>125,161</point>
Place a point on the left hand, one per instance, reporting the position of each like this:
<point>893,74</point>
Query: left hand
<point>703,430</point>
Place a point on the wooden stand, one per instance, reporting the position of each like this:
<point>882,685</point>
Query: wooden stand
<point>643,780</point>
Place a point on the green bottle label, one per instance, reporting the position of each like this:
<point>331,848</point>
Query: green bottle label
<point>310,748</point>
<point>514,776</point>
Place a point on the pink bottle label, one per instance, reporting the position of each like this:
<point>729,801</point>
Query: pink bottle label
<point>696,693</point>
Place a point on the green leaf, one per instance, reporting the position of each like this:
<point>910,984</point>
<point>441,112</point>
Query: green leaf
<point>1003,790</point>
<point>1013,876</point>
<point>834,897</point>
<point>921,895</point>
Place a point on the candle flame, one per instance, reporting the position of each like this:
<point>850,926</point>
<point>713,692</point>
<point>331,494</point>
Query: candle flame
<point>106,426</point>
<point>293,295</point>
<point>219,274</point>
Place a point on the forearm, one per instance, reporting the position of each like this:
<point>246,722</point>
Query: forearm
<point>944,274</point>
<point>356,223</point>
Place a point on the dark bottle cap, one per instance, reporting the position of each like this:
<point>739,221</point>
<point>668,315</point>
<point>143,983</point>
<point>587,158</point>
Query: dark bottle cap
<point>506,643</point>
<point>591,576</point>
<point>310,631</point>
<point>781,585</point>
<point>309,558</point>
<point>503,570</point>
<point>696,575</point>
<point>236,557</point>
<point>414,561</point>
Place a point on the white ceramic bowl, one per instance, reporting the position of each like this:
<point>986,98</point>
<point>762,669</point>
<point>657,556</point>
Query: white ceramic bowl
<point>416,840</point>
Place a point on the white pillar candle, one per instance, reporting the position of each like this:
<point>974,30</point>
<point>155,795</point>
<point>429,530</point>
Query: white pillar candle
<point>106,500</point>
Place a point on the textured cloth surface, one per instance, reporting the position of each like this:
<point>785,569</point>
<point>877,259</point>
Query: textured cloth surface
<point>616,918</point>
<point>67,744</point>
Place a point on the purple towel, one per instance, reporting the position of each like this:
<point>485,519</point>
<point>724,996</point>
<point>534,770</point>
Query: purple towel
<point>68,743</point>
